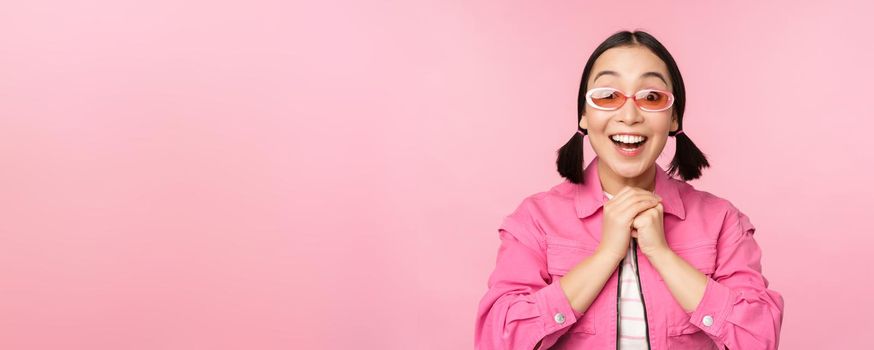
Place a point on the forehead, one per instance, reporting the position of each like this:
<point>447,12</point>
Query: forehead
<point>629,62</point>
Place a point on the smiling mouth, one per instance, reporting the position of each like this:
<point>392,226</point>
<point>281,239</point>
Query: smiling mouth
<point>627,142</point>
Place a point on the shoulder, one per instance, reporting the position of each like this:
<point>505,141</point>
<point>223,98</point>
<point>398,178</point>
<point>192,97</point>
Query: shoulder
<point>559,199</point>
<point>694,198</point>
<point>538,212</point>
<point>713,207</point>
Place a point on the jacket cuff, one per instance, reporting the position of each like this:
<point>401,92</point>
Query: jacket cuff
<point>556,310</point>
<point>712,311</point>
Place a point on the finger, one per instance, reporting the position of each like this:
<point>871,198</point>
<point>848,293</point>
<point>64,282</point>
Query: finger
<point>622,192</point>
<point>641,190</point>
<point>647,211</point>
<point>629,200</point>
<point>623,195</point>
<point>631,190</point>
<point>634,206</point>
<point>640,206</point>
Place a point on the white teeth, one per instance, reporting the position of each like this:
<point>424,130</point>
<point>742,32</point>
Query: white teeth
<point>627,138</point>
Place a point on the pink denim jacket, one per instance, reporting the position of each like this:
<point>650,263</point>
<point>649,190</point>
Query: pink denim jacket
<point>550,232</point>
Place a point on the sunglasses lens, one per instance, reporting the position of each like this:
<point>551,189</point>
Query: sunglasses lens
<point>607,98</point>
<point>653,100</point>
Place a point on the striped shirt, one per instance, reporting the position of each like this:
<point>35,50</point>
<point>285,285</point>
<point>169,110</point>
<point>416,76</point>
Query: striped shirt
<point>632,324</point>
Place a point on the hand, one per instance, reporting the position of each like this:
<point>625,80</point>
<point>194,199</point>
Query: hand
<point>619,214</point>
<point>649,229</point>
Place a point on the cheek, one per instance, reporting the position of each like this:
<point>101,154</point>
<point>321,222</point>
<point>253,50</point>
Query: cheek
<point>662,122</point>
<point>658,145</point>
<point>596,119</point>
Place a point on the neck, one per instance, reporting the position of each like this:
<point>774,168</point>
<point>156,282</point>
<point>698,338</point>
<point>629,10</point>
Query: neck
<point>612,183</point>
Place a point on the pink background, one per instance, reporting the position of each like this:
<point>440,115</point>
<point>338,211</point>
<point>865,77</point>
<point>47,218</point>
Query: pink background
<point>266,175</point>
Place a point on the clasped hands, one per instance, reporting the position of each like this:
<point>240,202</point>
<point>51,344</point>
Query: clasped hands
<point>633,212</point>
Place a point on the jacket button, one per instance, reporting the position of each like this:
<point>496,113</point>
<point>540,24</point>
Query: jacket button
<point>559,318</point>
<point>708,320</point>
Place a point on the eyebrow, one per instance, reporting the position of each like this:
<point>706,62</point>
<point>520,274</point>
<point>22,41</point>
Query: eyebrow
<point>644,75</point>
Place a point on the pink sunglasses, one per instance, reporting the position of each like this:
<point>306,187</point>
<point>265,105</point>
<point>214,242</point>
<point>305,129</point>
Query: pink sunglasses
<point>610,99</point>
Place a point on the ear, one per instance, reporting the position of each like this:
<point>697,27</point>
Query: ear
<point>584,123</point>
<point>674,124</point>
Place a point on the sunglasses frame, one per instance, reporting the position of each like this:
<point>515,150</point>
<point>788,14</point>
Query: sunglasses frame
<point>627,97</point>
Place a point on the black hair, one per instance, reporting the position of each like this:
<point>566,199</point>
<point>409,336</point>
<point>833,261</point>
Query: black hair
<point>688,159</point>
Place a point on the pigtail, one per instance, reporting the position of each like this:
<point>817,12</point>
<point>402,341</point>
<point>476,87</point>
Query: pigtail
<point>570,158</point>
<point>688,159</point>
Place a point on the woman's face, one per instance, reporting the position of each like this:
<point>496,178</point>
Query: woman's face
<point>631,69</point>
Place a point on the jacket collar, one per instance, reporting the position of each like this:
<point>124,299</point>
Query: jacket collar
<point>590,196</point>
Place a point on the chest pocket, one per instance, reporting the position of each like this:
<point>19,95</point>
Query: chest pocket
<point>562,255</point>
<point>700,254</point>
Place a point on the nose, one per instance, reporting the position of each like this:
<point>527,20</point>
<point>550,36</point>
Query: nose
<point>629,113</point>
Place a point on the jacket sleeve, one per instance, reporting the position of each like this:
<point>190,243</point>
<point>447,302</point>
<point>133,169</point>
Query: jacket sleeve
<point>738,311</point>
<point>521,307</point>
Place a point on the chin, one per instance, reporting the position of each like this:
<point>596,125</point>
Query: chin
<point>630,168</point>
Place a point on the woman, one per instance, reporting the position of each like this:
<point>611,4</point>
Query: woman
<point>620,254</point>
